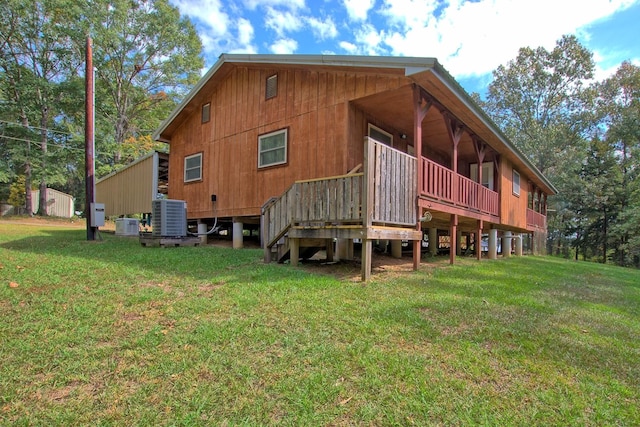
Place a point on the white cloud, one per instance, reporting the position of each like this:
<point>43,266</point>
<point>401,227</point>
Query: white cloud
<point>473,38</point>
<point>209,12</point>
<point>289,4</point>
<point>282,21</point>
<point>323,29</point>
<point>284,46</point>
<point>358,9</point>
<point>350,48</point>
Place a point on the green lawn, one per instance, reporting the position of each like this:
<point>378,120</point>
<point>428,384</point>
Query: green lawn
<point>113,333</point>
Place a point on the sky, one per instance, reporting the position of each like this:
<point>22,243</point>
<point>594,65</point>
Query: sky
<point>470,38</point>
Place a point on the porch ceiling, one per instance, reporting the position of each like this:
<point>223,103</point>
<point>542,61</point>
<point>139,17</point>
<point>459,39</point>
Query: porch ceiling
<point>396,108</point>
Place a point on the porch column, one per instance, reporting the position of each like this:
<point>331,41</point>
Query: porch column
<point>506,244</point>
<point>493,244</point>
<point>421,105</point>
<point>519,238</point>
<point>459,242</point>
<point>453,234</point>
<point>238,228</point>
<point>396,248</point>
<point>202,232</point>
<point>433,241</point>
<point>478,242</point>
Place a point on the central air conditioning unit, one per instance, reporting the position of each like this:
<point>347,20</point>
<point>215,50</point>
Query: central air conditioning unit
<point>168,218</point>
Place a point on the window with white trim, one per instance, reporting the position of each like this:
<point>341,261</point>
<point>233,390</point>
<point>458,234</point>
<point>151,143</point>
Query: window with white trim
<point>272,148</point>
<point>380,135</point>
<point>193,168</point>
<point>516,183</point>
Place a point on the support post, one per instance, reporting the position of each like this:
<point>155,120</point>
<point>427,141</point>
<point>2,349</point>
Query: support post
<point>459,242</point>
<point>329,249</point>
<point>433,241</point>
<point>202,232</point>
<point>519,244</point>
<point>453,234</point>
<point>294,251</point>
<point>493,244</point>
<point>478,243</point>
<point>396,248</point>
<point>506,244</point>
<point>238,228</point>
<point>366,259</point>
<point>264,236</point>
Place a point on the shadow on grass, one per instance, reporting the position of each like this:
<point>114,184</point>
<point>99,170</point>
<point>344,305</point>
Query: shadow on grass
<point>202,263</point>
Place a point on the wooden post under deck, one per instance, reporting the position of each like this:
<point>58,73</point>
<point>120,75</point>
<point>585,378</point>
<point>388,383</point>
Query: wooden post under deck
<point>367,205</point>
<point>294,251</point>
<point>453,232</point>
<point>478,243</point>
<point>419,113</point>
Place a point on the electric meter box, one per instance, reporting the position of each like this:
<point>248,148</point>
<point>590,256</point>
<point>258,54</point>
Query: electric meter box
<point>97,214</point>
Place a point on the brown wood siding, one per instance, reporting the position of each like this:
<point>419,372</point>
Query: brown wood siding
<point>130,191</point>
<point>513,209</point>
<point>312,104</point>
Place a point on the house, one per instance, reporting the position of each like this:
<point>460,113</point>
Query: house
<point>131,189</point>
<point>316,148</point>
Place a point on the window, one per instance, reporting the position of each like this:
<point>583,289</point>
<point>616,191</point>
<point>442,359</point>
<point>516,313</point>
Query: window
<point>380,135</point>
<point>272,148</point>
<point>272,87</point>
<point>516,183</point>
<point>193,168</point>
<point>487,174</point>
<point>206,112</point>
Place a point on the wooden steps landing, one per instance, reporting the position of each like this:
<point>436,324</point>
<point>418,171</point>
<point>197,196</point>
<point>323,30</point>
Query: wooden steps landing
<point>308,248</point>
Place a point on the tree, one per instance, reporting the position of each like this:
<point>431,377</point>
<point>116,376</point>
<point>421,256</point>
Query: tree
<point>539,100</point>
<point>36,57</point>
<point>542,101</point>
<point>619,110</point>
<point>147,57</point>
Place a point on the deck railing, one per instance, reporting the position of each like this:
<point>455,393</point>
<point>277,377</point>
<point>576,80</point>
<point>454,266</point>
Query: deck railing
<point>535,219</point>
<point>440,183</point>
<point>328,200</point>
<point>391,179</point>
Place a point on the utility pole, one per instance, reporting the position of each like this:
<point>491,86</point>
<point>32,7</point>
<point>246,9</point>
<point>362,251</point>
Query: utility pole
<point>89,167</point>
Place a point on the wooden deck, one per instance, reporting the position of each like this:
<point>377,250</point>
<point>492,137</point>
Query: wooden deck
<point>381,203</point>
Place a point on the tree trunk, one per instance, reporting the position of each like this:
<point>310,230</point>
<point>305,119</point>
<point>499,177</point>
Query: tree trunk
<point>604,238</point>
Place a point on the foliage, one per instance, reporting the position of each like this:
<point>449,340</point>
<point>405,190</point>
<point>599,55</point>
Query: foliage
<point>113,333</point>
<point>16,192</point>
<point>146,56</point>
<point>585,137</point>
<point>539,100</point>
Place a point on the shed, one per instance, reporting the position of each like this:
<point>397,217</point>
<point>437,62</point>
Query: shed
<point>58,203</point>
<point>131,189</point>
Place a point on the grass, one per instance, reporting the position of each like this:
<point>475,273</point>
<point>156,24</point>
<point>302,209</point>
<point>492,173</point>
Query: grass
<point>113,333</point>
